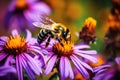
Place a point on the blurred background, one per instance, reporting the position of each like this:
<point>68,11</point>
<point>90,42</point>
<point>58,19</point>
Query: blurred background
<point>72,13</point>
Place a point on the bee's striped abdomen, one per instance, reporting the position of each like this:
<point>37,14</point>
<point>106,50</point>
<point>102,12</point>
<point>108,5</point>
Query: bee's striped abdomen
<point>43,34</point>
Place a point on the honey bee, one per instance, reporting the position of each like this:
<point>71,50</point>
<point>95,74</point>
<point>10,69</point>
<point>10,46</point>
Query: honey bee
<point>50,29</point>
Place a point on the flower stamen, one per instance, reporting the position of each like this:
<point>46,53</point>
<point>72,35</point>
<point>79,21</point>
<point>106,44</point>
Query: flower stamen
<point>65,50</point>
<point>15,45</point>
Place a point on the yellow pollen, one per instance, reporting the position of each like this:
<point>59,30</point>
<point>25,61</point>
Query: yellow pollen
<point>66,49</point>
<point>21,3</point>
<point>15,42</point>
<point>91,23</point>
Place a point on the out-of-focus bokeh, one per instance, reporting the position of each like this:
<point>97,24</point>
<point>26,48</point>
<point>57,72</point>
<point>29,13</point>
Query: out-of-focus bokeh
<point>72,13</point>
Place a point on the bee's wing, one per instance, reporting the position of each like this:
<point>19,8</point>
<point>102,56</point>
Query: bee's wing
<point>46,20</point>
<point>42,26</point>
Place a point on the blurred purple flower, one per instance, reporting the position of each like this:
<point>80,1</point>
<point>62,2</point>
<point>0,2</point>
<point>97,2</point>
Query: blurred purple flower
<point>24,12</point>
<point>62,57</point>
<point>17,52</point>
<point>108,71</point>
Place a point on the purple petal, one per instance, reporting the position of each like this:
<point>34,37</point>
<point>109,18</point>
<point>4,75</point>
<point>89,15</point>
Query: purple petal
<point>12,6</point>
<point>2,56</point>
<point>50,64</point>
<point>81,46</point>
<point>62,68</point>
<point>19,68</point>
<point>91,58</point>
<point>6,69</point>
<point>14,32</point>
<point>9,60</point>
<point>83,63</point>
<point>80,67</point>
<point>31,1</point>
<point>32,41</point>
<point>48,56</point>
<point>68,66</point>
<point>39,60</point>
<point>31,16</point>
<point>45,51</point>
<point>38,51</point>
<point>86,52</point>
<point>1,48</point>
<point>99,77</point>
<point>29,35</point>
<point>42,8</point>
<point>3,38</point>
<point>117,59</point>
<point>29,38</point>
<point>101,71</point>
<point>2,43</point>
<point>27,68</point>
<point>8,17</point>
<point>21,22</point>
<point>109,76</point>
<point>32,63</point>
<point>34,47</point>
<point>101,67</point>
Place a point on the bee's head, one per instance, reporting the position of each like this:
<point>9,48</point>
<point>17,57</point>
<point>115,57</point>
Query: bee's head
<point>58,28</point>
<point>62,31</point>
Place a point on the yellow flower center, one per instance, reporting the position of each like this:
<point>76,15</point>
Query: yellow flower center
<point>21,3</point>
<point>65,50</point>
<point>15,45</point>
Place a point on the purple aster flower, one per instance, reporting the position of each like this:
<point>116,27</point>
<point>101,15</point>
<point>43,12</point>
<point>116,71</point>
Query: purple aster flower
<point>23,12</point>
<point>17,53</point>
<point>108,71</point>
<point>63,57</point>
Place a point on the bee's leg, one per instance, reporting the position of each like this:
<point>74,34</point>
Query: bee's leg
<point>60,41</point>
<point>48,41</point>
<point>67,31</point>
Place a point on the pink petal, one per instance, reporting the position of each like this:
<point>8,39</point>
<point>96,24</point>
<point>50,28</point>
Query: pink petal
<point>14,32</point>
<point>27,68</point>
<point>19,68</point>
<point>68,66</point>
<point>42,8</point>
<point>91,58</point>
<point>81,46</point>
<point>2,56</point>
<point>48,56</point>
<point>62,68</point>
<point>29,35</point>
<point>50,64</point>
<point>80,67</point>
<point>86,52</point>
<point>6,69</point>
<point>117,59</point>
<point>32,63</point>
<point>3,38</point>
<point>83,63</point>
